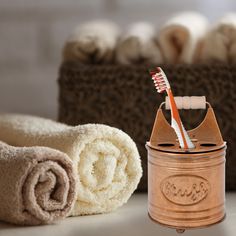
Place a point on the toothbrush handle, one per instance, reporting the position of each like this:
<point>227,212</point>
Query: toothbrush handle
<point>184,140</point>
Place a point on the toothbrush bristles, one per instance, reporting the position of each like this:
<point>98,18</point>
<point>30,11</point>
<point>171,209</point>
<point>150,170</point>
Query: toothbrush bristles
<point>158,80</point>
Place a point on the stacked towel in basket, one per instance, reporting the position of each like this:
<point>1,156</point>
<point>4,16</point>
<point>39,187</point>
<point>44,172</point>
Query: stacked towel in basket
<point>87,169</point>
<point>184,38</point>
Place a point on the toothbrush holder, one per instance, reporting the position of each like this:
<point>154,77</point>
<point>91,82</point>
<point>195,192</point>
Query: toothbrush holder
<point>186,187</point>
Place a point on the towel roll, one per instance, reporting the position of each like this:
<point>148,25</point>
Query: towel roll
<point>220,43</point>
<point>138,45</point>
<point>37,185</point>
<point>107,160</point>
<point>181,37</point>
<point>92,42</point>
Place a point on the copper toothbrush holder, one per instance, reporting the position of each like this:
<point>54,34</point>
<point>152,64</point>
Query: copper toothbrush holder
<point>186,188</point>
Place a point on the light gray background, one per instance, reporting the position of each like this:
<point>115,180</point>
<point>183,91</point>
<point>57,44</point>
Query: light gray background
<point>32,34</point>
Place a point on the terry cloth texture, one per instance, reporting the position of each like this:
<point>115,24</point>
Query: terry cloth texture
<point>107,160</point>
<point>181,37</point>
<point>219,44</point>
<point>92,42</point>
<point>125,97</point>
<point>37,185</point>
<point>138,45</point>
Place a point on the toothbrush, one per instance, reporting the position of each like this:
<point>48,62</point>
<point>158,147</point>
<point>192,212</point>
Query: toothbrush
<point>162,84</point>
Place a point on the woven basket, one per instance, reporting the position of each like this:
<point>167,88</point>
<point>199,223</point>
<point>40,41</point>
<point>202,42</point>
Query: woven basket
<point>124,97</point>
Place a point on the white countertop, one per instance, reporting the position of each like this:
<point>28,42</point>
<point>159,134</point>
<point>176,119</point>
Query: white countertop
<point>130,220</point>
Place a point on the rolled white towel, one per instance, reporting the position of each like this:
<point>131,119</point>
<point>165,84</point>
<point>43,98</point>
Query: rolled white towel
<point>181,37</point>
<point>92,42</point>
<point>138,45</point>
<point>107,160</point>
<point>220,43</point>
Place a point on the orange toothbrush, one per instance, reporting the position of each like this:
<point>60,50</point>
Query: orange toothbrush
<point>162,84</point>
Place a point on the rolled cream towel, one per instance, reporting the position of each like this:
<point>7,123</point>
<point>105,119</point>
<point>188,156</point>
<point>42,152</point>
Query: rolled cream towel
<point>138,45</point>
<point>92,42</point>
<point>37,185</point>
<point>107,160</point>
<point>220,43</point>
<point>181,37</point>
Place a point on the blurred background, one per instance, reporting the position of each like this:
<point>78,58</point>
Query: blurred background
<point>32,34</point>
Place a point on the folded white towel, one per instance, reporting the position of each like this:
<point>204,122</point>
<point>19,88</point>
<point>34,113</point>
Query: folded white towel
<point>92,42</point>
<point>181,37</point>
<point>220,43</point>
<point>138,45</point>
<point>107,160</point>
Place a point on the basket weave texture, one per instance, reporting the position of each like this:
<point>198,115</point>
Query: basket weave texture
<point>125,97</point>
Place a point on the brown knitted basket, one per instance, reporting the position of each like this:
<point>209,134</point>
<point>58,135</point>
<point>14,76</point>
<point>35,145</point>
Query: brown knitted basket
<point>125,97</point>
